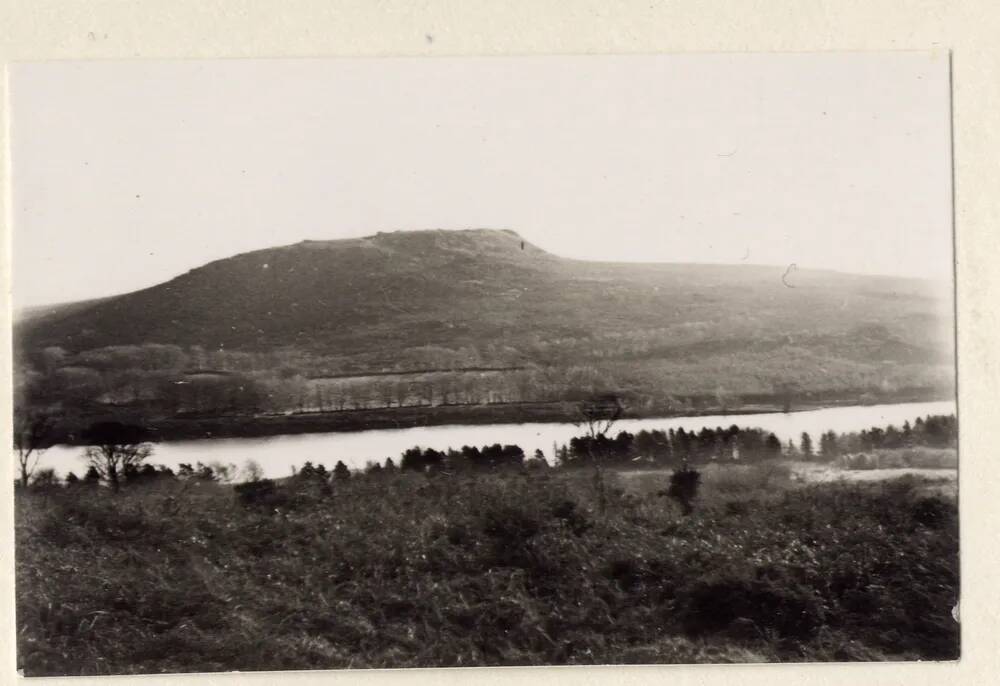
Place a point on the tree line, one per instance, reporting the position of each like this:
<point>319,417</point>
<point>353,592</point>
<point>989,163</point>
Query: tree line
<point>933,431</point>
<point>118,452</point>
<point>159,380</point>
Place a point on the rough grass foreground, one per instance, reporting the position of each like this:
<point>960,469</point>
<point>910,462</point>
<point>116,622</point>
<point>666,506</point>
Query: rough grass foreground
<point>503,569</point>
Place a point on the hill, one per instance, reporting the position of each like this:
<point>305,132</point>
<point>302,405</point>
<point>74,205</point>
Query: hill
<point>481,316</point>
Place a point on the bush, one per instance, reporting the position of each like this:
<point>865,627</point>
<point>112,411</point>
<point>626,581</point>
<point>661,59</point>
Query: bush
<point>92,477</point>
<point>744,478</point>
<point>79,517</point>
<point>739,508</point>
<point>147,474</point>
<point>262,493</point>
<point>310,471</point>
<point>929,458</point>
<point>200,472</point>
<point>341,472</point>
<point>571,516</point>
<point>900,458</point>
<point>713,605</point>
<point>932,512</point>
<point>311,480</point>
<point>857,461</point>
<point>252,471</point>
<point>684,488</point>
<point>45,480</point>
<point>508,524</point>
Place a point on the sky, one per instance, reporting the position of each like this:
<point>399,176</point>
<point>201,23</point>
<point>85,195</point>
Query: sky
<point>127,174</point>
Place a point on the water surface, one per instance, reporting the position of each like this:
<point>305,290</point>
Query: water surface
<point>278,454</point>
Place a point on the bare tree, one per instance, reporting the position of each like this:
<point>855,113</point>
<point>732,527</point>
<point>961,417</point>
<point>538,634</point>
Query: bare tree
<point>402,391</point>
<point>386,391</point>
<point>598,414</point>
<point>114,448</point>
<point>32,436</point>
<point>427,393</point>
<point>786,391</point>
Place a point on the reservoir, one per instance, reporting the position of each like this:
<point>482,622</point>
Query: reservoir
<point>277,455</point>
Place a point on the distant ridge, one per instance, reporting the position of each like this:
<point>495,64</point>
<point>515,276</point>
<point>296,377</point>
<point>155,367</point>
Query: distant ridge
<point>392,291</point>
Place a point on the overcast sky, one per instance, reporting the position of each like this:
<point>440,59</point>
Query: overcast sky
<point>128,174</point>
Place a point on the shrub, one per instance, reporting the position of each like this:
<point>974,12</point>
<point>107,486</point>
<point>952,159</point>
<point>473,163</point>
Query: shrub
<point>684,488</point>
<point>223,473</point>
<point>310,471</point>
<point>92,477</point>
<point>204,472</point>
<point>537,462</point>
<point>932,512</point>
<point>509,524</point>
<point>918,458</point>
<point>856,461</point>
<point>931,458</point>
<point>75,515</point>
<point>739,508</point>
<point>252,471</point>
<point>262,493</point>
<point>889,459</point>
<point>486,568</point>
<point>44,480</point>
<point>147,473</point>
<point>571,516</point>
<point>510,529</point>
<point>341,472</point>
<point>764,476</point>
<point>627,572</point>
<point>712,605</point>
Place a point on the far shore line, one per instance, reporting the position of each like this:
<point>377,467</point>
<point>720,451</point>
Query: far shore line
<point>408,417</point>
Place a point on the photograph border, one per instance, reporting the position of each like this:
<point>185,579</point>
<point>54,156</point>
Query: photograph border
<point>964,29</point>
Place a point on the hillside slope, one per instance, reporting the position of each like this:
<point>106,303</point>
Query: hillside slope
<point>466,317</point>
<point>447,286</point>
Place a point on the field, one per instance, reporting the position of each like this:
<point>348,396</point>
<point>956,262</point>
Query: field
<point>522,567</point>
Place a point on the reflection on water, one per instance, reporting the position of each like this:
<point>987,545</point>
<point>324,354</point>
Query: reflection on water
<point>278,454</point>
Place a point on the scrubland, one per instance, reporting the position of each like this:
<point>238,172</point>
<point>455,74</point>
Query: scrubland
<point>523,566</point>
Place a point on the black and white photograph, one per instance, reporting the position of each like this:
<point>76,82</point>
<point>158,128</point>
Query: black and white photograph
<point>382,363</point>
